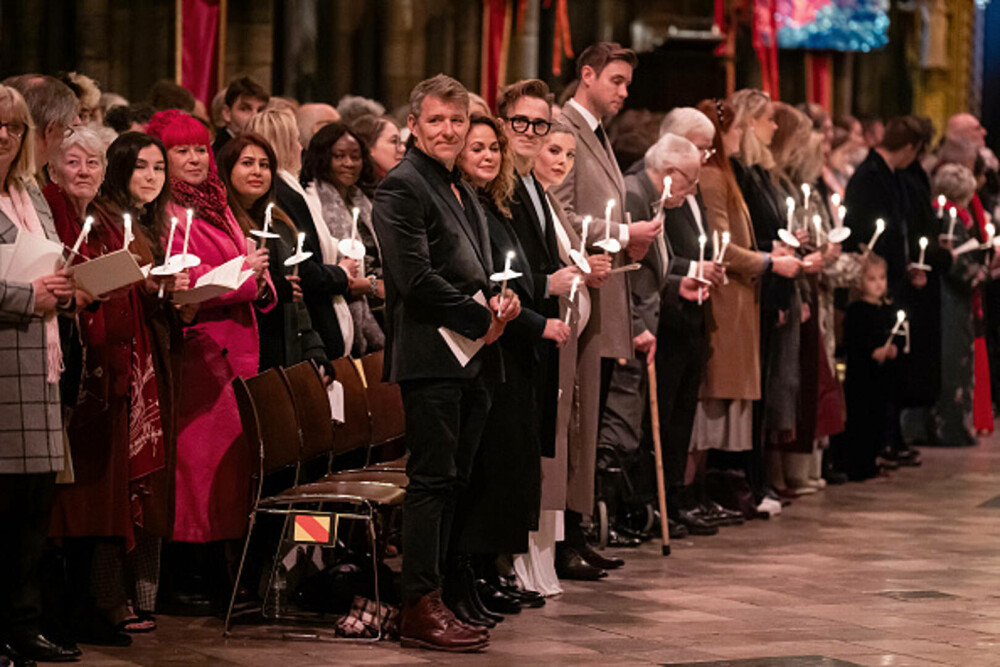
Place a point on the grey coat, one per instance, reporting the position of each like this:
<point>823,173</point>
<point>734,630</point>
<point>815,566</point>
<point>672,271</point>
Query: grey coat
<point>31,436</point>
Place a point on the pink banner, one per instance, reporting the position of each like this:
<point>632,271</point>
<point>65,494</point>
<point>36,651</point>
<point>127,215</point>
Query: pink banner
<point>200,48</point>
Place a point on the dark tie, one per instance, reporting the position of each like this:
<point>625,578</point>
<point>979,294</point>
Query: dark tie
<point>599,131</point>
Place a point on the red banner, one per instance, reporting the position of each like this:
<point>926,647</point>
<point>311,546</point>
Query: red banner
<point>765,43</point>
<point>495,40</point>
<point>200,47</point>
<point>819,77</point>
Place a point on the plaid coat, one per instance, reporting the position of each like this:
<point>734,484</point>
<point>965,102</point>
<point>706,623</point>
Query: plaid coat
<point>31,436</point>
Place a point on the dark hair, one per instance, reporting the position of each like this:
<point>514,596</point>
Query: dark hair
<point>509,95</point>
<point>368,129</point>
<point>840,137</point>
<point>723,117</point>
<point>501,188</point>
<point>846,122</point>
<point>817,114</point>
<point>597,56</point>
<point>121,118</point>
<point>903,131</point>
<point>123,154</point>
<point>316,161</point>
<point>227,159</point>
<point>244,86</point>
<point>165,94</point>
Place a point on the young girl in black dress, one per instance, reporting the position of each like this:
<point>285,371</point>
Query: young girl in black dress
<point>870,371</point>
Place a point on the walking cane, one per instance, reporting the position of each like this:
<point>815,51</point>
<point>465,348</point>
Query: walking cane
<point>654,422</point>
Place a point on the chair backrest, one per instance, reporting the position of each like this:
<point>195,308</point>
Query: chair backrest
<point>312,406</point>
<point>356,431</point>
<point>384,401</point>
<point>277,423</point>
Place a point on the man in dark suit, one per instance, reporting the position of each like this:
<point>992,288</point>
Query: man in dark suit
<point>435,246</point>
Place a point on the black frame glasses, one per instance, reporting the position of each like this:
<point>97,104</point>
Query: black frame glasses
<point>520,125</point>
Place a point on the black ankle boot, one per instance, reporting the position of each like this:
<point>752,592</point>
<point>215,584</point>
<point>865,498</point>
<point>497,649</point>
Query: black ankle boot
<point>459,593</point>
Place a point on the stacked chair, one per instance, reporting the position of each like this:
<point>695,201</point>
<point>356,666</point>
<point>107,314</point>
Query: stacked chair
<point>287,422</point>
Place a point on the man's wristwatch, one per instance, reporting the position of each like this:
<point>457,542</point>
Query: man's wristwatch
<point>374,282</point>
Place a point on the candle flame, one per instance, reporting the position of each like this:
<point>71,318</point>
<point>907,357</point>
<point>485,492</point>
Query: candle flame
<point>790,203</point>
<point>880,225</point>
<point>923,242</point>
<point>510,254</point>
<point>355,212</point>
<point>835,199</point>
<point>702,239</point>
<point>941,201</point>
<point>267,211</point>
<point>817,219</point>
<point>842,211</point>
<point>990,229</point>
<point>900,316</point>
<point>806,190</point>
<point>953,211</point>
<point>725,237</point>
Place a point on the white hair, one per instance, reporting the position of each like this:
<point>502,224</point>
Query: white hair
<point>685,121</point>
<point>91,140</point>
<point>671,150</point>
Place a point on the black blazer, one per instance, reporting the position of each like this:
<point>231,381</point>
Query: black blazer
<point>320,282</point>
<point>768,214</point>
<point>540,248</point>
<point>436,256</point>
<point>678,316</point>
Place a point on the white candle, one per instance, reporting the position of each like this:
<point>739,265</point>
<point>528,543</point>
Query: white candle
<point>88,222</point>
<point>267,218</point>
<point>187,232</point>
<point>953,212</point>
<point>667,184</point>
<point>841,214</point>
<point>298,251</point>
<point>806,191</point>
<point>879,228</point>
<point>923,249</point>
<point>725,246</point>
<point>127,219</point>
<point>354,222</point>
<point>715,245</point>
<point>990,233</point>
<point>607,218</point>
<point>818,224</point>
<point>702,240</point>
<point>790,203</point>
<point>170,238</point>
<point>941,202</point>
<point>572,295</point>
<point>503,285</point>
<point>583,238</point>
<point>835,199</point>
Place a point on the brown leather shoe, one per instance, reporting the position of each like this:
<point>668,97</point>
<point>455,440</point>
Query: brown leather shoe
<point>428,623</point>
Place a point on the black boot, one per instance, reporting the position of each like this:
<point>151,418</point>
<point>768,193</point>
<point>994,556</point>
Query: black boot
<point>459,593</point>
<point>682,511</point>
<point>483,567</point>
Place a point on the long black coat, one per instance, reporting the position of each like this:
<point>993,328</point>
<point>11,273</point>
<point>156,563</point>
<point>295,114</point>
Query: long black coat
<point>767,212</point>
<point>502,502</point>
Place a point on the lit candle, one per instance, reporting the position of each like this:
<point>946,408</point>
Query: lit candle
<point>267,218</point>
<point>940,206</point>
<point>187,232</point>
<point>354,222</point>
<point>170,238</point>
<point>835,199</point>
<point>923,249</point>
<point>725,246</point>
<point>900,319</point>
<point>715,245</point>
<point>841,214</point>
<point>583,238</point>
<point>572,295</point>
<point>818,224</point>
<point>127,219</point>
<point>806,191</point>
<point>298,252</point>
<point>667,184</point>
<point>953,212</point>
<point>503,285</point>
<point>990,233</point>
<point>790,203</point>
<point>84,233</point>
<point>607,218</point>
<point>879,228</point>
<point>702,240</point>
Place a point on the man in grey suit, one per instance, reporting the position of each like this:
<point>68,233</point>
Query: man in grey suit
<point>605,72</point>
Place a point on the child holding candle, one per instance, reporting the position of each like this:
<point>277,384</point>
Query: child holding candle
<point>870,371</point>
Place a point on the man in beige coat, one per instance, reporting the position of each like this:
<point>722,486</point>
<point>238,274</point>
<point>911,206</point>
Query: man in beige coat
<point>605,72</point>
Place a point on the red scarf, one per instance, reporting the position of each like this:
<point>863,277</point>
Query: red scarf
<point>208,199</point>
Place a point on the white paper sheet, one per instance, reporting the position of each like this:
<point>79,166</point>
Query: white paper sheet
<point>463,348</point>
<point>335,392</point>
<point>221,280</point>
<point>31,257</point>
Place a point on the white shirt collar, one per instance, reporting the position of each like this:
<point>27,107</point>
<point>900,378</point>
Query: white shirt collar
<point>587,116</point>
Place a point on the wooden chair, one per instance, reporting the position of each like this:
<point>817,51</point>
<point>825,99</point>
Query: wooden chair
<point>271,426</point>
<point>385,402</point>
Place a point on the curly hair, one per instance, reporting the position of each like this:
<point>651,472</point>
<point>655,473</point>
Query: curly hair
<point>501,188</point>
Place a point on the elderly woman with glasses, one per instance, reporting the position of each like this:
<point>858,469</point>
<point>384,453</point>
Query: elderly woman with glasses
<point>31,437</point>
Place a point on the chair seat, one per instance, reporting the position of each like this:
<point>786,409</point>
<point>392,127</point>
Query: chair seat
<point>396,464</point>
<point>338,490</point>
<point>393,477</point>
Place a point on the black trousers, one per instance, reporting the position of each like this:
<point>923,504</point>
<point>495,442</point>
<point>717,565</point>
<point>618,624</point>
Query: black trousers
<point>680,365</point>
<point>444,423</point>
<point>25,511</point>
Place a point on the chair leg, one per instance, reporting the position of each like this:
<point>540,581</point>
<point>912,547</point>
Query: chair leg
<point>239,573</point>
<point>274,568</point>
<point>378,594</point>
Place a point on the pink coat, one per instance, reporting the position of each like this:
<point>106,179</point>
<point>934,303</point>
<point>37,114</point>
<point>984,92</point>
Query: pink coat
<point>213,491</point>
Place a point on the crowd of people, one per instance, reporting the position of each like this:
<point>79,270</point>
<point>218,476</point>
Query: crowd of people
<point>782,274</point>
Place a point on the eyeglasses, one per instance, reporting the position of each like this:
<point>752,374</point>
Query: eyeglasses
<point>520,125</point>
<point>15,129</point>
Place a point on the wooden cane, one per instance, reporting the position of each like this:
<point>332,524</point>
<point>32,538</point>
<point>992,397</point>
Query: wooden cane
<point>654,422</point>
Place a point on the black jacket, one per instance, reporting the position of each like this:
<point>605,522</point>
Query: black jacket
<point>768,214</point>
<point>436,257</point>
<point>320,282</point>
<point>540,247</point>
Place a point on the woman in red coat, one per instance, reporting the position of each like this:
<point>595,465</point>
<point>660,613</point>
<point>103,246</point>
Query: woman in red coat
<point>212,480</point>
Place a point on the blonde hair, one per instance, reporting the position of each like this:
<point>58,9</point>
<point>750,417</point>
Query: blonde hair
<point>793,141</point>
<point>749,105</point>
<point>13,108</point>
<point>280,130</point>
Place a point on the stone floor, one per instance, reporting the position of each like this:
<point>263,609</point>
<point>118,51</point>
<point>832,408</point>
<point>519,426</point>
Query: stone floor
<point>900,571</point>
